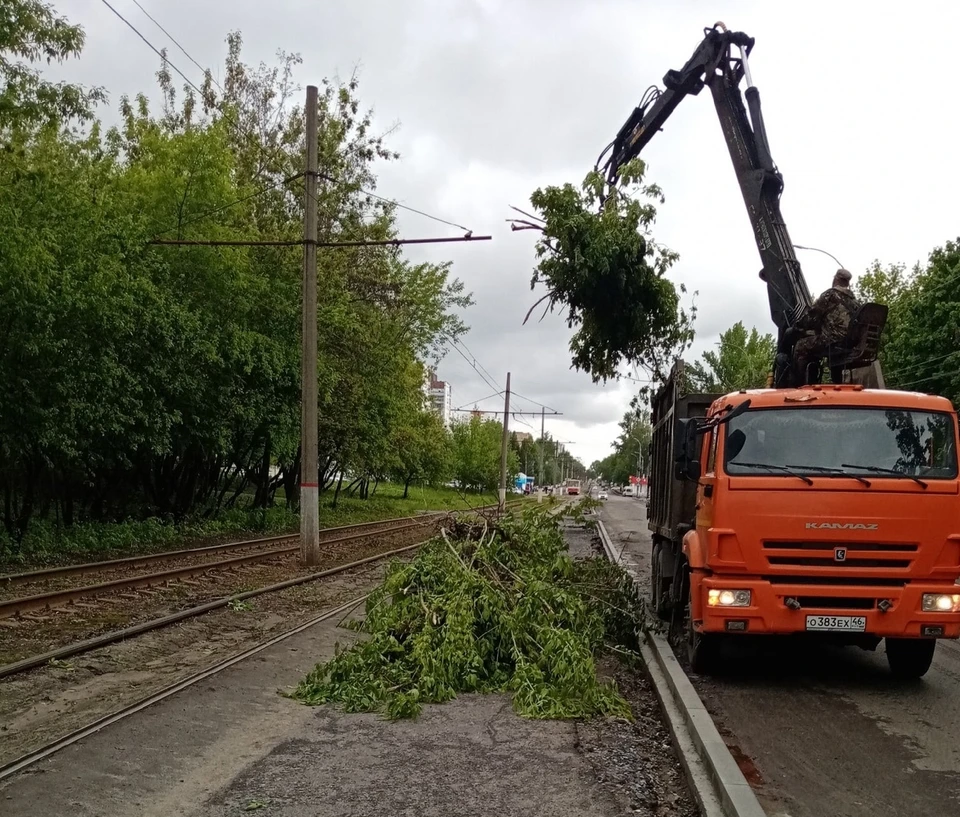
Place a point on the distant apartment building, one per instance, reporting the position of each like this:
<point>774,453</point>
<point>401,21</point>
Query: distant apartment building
<point>439,396</point>
<point>523,436</point>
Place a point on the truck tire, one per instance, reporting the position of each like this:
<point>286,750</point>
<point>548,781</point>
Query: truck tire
<point>701,648</point>
<point>910,658</point>
<point>658,598</point>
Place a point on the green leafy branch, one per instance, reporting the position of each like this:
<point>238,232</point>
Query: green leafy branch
<point>606,268</point>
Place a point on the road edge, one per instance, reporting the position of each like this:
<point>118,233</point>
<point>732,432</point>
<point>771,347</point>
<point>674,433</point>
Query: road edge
<point>718,785</point>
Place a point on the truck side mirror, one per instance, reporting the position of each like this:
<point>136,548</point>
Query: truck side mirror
<point>691,470</point>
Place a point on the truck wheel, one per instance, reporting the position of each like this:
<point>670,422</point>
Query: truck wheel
<point>658,594</point>
<point>701,648</point>
<point>910,657</point>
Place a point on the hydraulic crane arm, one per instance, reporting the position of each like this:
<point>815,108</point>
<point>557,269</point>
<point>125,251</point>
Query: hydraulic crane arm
<point>721,62</point>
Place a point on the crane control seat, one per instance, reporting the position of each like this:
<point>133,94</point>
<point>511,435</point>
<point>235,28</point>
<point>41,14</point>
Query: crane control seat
<point>861,344</point>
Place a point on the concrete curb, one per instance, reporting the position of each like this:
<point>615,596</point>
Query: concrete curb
<point>714,776</point>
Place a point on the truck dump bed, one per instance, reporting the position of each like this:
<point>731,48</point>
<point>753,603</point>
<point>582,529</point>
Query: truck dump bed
<point>670,501</point>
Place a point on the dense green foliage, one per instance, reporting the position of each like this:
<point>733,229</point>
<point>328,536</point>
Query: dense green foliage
<point>920,350</point>
<point>609,273</point>
<point>31,31</point>
<point>476,446</point>
<point>558,463</point>
<point>143,381</point>
<point>483,609</point>
<point>742,361</point>
<point>629,455</point>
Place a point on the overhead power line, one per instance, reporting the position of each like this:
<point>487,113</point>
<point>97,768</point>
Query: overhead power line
<point>391,242</point>
<point>177,44</point>
<point>396,203</point>
<point>535,402</point>
<point>486,378</point>
<point>511,413</point>
<point>476,360</point>
<point>474,402</point>
<point>234,203</point>
<point>159,53</point>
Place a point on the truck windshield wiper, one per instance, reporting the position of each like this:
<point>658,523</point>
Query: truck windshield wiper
<point>876,469</point>
<point>786,469</point>
<point>823,469</point>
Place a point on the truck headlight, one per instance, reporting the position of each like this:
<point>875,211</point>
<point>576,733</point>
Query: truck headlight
<point>729,598</point>
<point>940,603</point>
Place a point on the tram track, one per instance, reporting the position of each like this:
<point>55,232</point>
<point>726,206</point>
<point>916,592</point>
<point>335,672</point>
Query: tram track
<point>190,563</point>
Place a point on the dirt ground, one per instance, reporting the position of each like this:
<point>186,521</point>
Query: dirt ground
<point>635,763</point>
<point>43,704</point>
<point>37,633</point>
<point>231,745</point>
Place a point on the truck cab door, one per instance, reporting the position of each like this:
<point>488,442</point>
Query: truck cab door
<point>706,485</point>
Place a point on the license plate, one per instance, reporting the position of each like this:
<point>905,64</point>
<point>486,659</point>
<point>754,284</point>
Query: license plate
<point>841,624</point>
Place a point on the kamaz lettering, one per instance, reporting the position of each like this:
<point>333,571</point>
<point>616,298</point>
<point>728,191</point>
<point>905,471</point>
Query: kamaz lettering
<point>841,526</point>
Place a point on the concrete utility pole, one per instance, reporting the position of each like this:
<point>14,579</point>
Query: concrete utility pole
<point>309,478</point>
<point>543,423</point>
<point>504,443</point>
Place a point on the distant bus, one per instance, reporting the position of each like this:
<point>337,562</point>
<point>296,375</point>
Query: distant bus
<point>572,487</point>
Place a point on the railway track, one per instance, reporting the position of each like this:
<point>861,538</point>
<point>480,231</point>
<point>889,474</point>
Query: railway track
<point>28,759</point>
<point>37,754</point>
<point>253,551</point>
<point>63,596</point>
<point>86,645</point>
<point>421,527</point>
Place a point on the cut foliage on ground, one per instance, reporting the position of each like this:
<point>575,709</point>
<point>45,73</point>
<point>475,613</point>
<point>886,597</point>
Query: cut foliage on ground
<point>487,607</point>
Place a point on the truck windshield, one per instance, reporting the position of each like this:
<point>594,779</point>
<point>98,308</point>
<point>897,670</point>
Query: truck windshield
<point>882,443</point>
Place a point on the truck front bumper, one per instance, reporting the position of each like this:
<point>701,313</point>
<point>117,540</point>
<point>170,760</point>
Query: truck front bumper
<point>769,613</point>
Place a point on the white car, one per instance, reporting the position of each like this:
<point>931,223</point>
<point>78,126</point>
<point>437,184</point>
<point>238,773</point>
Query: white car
<point>602,495</point>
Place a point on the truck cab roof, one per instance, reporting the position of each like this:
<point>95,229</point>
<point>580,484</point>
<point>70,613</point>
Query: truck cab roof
<point>833,395</point>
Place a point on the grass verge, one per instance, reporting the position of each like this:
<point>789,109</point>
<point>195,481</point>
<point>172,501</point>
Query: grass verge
<point>47,544</point>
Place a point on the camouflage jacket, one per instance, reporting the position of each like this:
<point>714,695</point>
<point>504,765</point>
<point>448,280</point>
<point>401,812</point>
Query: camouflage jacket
<point>830,314</point>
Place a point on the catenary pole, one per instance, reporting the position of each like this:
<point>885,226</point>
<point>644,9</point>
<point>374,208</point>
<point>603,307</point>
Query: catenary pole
<point>504,443</point>
<point>309,478</point>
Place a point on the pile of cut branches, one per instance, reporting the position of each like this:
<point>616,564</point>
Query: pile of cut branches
<point>487,608</point>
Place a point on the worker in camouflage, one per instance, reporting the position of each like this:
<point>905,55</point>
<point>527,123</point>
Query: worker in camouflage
<point>826,322</point>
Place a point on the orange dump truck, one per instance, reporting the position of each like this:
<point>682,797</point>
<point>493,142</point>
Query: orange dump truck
<point>830,511</point>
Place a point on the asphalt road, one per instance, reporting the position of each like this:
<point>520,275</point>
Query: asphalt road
<point>826,732</point>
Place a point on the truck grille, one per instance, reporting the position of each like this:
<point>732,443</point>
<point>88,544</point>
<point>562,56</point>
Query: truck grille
<point>835,603</point>
<point>866,556</point>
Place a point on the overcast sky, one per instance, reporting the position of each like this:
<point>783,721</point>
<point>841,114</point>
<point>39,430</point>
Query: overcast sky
<point>496,98</point>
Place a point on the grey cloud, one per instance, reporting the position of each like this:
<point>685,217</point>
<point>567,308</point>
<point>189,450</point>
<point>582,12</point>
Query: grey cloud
<point>496,98</point>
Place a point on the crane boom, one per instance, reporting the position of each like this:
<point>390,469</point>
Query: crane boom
<point>721,61</point>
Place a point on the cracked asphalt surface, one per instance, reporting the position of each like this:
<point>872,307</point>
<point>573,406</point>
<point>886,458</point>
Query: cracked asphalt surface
<point>826,732</point>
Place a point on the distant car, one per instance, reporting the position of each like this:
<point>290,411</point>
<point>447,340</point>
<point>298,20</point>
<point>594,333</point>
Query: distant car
<point>602,495</point>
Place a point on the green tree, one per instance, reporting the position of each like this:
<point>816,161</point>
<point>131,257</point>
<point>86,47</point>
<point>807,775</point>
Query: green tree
<point>165,381</point>
<point>476,455</point>
<point>31,31</point>
<point>742,361</point>
<point>629,449</point>
<point>424,449</point>
<point>891,285</point>
<point>609,273</point>
<point>923,328</point>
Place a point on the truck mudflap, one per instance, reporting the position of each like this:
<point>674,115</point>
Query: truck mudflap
<point>894,612</point>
